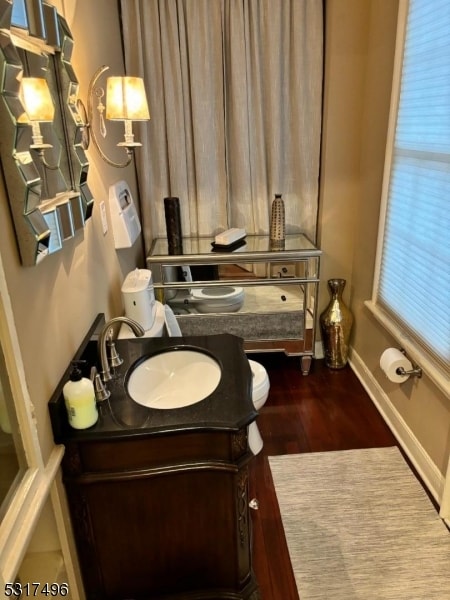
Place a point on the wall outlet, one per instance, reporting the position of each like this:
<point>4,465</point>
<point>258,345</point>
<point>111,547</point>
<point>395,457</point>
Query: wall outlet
<point>104,217</point>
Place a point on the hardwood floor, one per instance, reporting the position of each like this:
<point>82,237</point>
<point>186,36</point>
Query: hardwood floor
<point>327,410</point>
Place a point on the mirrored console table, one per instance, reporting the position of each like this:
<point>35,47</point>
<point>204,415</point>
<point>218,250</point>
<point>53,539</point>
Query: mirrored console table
<point>267,297</point>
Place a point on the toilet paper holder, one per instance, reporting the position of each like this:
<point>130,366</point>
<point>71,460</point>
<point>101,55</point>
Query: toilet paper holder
<point>415,371</point>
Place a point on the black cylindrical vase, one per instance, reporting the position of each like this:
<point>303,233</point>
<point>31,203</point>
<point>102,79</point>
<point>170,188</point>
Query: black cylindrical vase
<point>173,225</point>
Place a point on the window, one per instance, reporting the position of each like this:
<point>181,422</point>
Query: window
<point>412,287</point>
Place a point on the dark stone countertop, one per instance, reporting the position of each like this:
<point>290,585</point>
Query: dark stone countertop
<point>229,407</point>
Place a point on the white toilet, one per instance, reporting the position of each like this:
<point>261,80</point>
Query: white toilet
<point>208,299</point>
<point>260,392</point>
<point>217,299</point>
<point>165,324</point>
<point>156,330</point>
<point>158,320</point>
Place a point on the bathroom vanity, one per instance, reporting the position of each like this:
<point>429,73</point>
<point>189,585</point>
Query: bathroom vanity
<point>159,498</point>
<point>280,288</point>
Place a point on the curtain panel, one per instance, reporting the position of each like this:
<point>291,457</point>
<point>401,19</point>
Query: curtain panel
<point>235,95</point>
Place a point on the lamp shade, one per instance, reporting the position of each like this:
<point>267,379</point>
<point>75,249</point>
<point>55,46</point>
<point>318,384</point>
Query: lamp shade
<point>37,99</point>
<point>126,99</point>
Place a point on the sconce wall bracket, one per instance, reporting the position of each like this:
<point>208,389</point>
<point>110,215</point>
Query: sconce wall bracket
<point>128,144</point>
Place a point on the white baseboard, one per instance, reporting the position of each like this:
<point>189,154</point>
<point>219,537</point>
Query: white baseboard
<point>428,471</point>
<point>318,350</point>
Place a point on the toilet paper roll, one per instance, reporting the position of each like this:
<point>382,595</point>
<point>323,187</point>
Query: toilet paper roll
<point>391,360</point>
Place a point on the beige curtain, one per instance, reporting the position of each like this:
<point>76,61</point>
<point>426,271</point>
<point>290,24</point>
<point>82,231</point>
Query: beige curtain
<point>235,93</point>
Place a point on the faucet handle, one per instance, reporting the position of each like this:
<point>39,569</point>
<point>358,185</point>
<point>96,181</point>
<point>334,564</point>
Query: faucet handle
<point>105,334</point>
<point>113,356</point>
<point>101,393</point>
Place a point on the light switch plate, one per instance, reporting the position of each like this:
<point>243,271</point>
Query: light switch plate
<point>104,217</point>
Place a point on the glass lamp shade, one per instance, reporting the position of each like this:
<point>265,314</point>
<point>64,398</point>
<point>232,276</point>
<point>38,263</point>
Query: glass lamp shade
<point>126,99</point>
<point>37,100</point>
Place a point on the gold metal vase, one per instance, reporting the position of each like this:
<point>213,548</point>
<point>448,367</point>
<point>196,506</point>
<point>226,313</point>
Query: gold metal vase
<point>336,323</point>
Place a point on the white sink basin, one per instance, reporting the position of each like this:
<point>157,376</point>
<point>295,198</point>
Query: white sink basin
<point>174,379</point>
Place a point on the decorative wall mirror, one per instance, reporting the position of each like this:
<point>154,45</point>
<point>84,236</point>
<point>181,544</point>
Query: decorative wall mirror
<point>43,158</point>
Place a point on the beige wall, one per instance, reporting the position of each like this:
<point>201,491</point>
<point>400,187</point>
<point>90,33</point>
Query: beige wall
<point>55,302</point>
<point>358,71</point>
<point>422,407</point>
<point>347,26</point>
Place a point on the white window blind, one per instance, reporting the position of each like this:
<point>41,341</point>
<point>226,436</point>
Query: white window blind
<point>414,275</point>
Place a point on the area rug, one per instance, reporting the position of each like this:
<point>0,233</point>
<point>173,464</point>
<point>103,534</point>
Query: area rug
<point>359,526</point>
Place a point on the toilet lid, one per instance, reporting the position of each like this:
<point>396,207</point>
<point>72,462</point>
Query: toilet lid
<point>218,294</point>
<point>260,378</point>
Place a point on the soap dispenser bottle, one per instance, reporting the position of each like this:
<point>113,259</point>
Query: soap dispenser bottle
<point>79,397</point>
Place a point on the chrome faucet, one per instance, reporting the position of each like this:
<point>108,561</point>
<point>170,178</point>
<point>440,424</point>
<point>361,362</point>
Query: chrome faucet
<point>106,334</point>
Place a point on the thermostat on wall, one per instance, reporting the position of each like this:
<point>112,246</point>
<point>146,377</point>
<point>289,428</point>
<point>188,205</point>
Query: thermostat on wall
<point>124,217</point>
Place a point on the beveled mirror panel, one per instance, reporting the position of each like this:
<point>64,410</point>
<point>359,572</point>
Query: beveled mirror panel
<point>47,187</point>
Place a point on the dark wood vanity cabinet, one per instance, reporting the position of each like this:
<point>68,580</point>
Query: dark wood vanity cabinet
<point>162,516</point>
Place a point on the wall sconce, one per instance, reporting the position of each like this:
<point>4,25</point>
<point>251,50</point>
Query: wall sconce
<point>125,101</point>
<point>39,108</point>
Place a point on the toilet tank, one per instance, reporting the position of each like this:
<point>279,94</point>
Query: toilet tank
<point>139,297</point>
